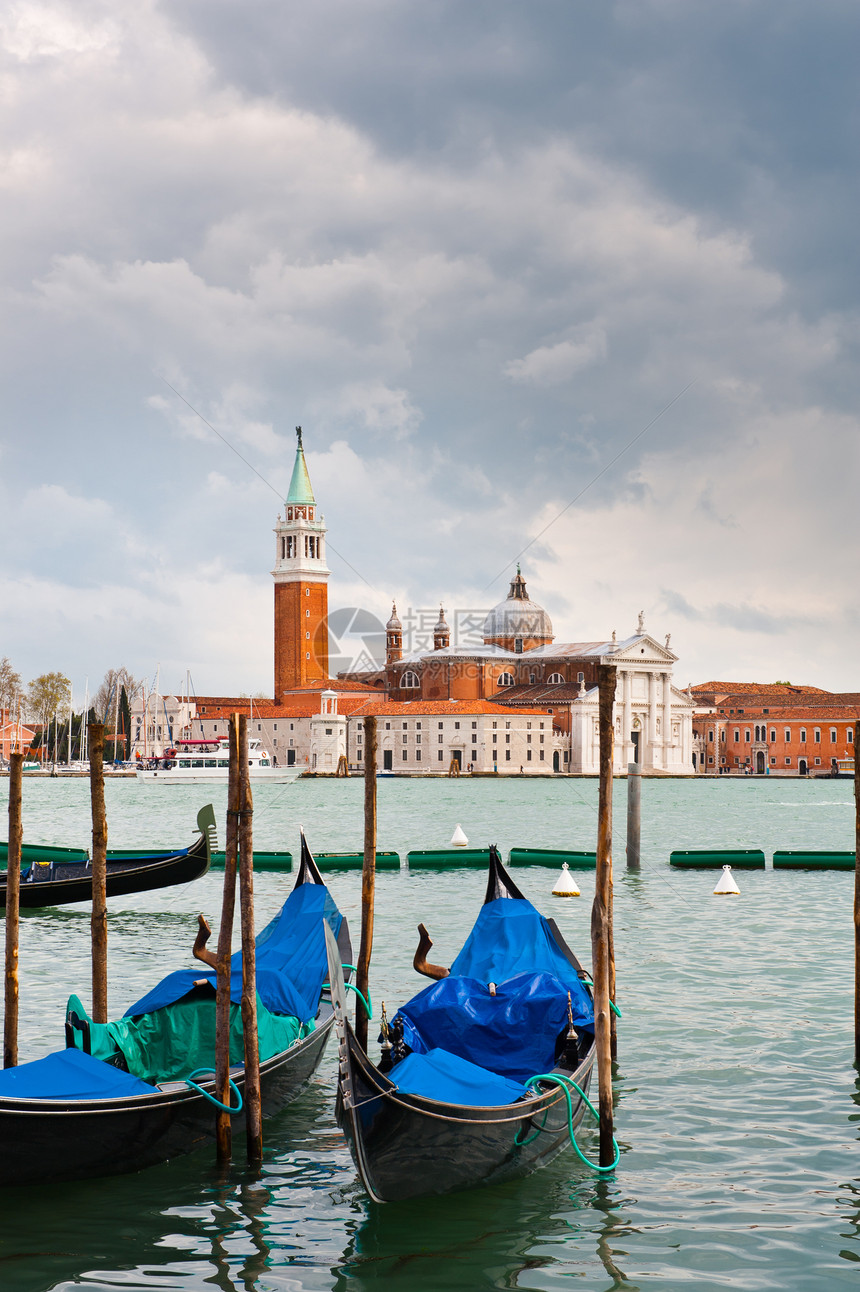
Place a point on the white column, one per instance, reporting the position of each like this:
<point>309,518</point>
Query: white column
<point>667,722</point>
<point>648,760</point>
<point>624,750</point>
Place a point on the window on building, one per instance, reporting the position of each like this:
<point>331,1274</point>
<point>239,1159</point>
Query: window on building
<point>388,726</point>
<point>773,762</point>
<point>474,755</point>
<point>474,726</point>
<point>507,724</point>
<point>818,762</point>
<point>307,614</point>
<point>418,755</point>
<point>405,755</point>
<point>495,724</point>
<point>506,679</point>
<point>439,725</point>
<point>555,678</point>
<point>405,737</point>
<point>788,762</point>
<point>833,735</point>
<point>850,735</point>
<point>507,740</point>
<point>737,734</point>
<point>495,738</point>
<point>723,736</point>
<point>541,753</point>
<point>528,755</point>
<point>359,754</point>
<point>816,735</point>
<point>456,726</point>
<point>418,726</point>
<point>541,740</point>
<point>418,738</point>
<point>580,677</point>
<point>788,735</point>
<point>518,645</point>
<point>528,739</point>
<point>747,735</point>
<point>358,738</point>
<point>711,737</point>
<point>803,735</point>
<point>773,735</point>
<point>409,681</point>
<point>507,755</point>
<point>441,754</point>
<point>531,677</point>
<point>328,731</point>
<point>710,758</point>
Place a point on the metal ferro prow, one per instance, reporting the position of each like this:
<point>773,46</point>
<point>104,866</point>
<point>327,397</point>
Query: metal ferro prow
<point>337,991</point>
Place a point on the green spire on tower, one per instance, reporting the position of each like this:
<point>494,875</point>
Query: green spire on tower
<point>300,490</point>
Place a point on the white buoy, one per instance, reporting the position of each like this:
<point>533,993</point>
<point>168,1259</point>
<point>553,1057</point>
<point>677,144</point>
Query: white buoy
<point>458,838</point>
<point>565,885</point>
<point>726,884</point>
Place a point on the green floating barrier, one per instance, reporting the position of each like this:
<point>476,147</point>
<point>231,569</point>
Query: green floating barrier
<point>262,860</point>
<point>553,858</point>
<point>711,858</point>
<point>42,852</point>
<point>808,859</point>
<point>355,860</point>
<point>437,858</point>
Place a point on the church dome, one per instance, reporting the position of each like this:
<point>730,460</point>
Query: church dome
<point>517,617</point>
<point>394,624</point>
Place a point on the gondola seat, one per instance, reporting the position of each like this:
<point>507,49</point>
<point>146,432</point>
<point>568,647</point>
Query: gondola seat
<point>447,1078</point>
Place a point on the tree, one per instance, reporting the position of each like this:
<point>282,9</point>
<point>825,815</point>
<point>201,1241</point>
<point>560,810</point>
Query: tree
<point>105,698</point>
<point>10,686</point>
<point>124,724</point>
<point>47,694</point>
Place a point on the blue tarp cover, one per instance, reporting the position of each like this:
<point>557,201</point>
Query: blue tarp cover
<point>70,1074</point>
<point>452,1080</point>
<point>291,960</point>
<point>513,1033</point>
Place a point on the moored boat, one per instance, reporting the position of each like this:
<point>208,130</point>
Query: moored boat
<point>54,876</point>
<point>127,1094</point>
<point>484,1075</point>
<point>189,761</point>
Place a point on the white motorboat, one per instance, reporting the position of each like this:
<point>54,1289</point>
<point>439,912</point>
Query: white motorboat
<point>209,760</point>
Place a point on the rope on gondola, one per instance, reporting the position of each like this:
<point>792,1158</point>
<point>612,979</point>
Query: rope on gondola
<point>351,987</point>
<point>586,982</point>
<point>564,1084</point>
<point>233,1109</point>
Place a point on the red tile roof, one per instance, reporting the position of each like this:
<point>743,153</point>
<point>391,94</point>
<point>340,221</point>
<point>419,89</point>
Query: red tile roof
<point>384,708</point>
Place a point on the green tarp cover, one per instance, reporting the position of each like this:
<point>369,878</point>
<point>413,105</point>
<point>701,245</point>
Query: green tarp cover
<point>170,1043</point>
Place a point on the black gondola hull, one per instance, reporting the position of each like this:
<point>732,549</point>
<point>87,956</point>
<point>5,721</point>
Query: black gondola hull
<point>405,1146</point>
<point>77,1139</point>
<point>73,882</point>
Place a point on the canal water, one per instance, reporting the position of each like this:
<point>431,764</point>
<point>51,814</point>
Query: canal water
<point>738,1109</point>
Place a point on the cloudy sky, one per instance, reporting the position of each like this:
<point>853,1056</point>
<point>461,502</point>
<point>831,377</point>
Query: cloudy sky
<point>475,249</point>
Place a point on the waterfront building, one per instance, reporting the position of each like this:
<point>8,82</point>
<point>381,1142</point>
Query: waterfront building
<point>16,737</point>
<point>772,729</point>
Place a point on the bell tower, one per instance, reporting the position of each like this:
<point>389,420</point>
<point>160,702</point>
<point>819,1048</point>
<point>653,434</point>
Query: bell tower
<point>301,585</point>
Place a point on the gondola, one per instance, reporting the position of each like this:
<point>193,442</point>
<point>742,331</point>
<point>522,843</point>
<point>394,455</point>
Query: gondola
<point>56,881</point>
<point>99,1108</point>
<point>451,1104</point>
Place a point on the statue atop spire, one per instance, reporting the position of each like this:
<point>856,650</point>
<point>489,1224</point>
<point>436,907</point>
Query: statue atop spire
<point>299,438</point>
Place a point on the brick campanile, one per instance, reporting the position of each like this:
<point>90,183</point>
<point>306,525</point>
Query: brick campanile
<point>301,586</point>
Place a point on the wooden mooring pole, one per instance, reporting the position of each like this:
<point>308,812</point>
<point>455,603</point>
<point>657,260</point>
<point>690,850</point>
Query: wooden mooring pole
<point>368,879</point>
<point>98,919</point>
<point>223,1128</point>
<point>601,915</point>
<point>13,895</point>
<point>856,894</point>
<point>634,816</point>
<point>253,1109</point>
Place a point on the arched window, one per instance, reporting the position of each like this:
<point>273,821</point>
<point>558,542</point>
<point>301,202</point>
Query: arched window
<point>506,679</point>
<point>555,679</point>
<point>580,677</point>
<point>409,680</point>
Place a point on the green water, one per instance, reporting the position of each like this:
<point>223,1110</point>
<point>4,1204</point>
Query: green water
<point>737,1104</point>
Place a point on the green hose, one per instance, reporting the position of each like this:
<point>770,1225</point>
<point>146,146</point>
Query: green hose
<point>586,982</point>
<point>232,1109</point>
<point>564,1084</point>
<point>351,987</point>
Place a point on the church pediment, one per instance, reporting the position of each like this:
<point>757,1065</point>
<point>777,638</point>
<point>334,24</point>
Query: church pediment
<point>641,649</point>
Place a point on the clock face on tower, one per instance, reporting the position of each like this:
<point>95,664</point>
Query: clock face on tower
<point>301,586</point>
